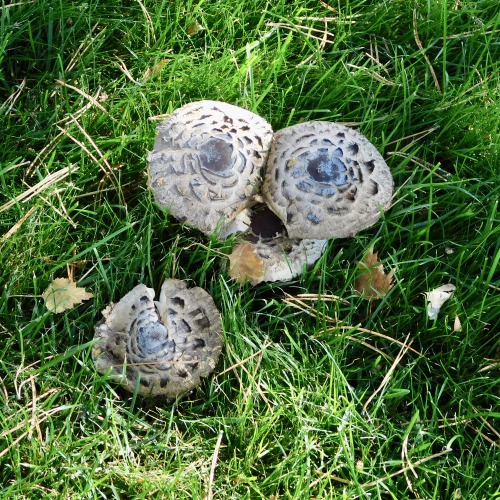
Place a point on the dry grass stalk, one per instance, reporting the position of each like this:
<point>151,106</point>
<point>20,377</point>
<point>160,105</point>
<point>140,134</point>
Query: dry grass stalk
<point>39,187</point>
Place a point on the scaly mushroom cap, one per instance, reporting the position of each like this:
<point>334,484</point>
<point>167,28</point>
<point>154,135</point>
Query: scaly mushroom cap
<point>206,162</point>
<point>278,260</point>
<point>163,348</point>
<point>325,180</point>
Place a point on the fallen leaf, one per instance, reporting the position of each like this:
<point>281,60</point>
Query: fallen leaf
<point>194,27</point>
<point>245,264</point>
<point>155,70</point>
<point>372,282</point>
<point>63,294</point>
<point>437,297</point>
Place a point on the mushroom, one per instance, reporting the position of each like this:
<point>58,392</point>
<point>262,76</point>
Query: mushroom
<point>325,180</point>
<point>161,348</point>
<point>277,260</point>
<point>206,162</point>
<point>268,254</point>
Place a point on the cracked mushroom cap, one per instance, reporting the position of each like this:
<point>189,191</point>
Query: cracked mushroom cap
<point>206,162</point>
<point>325,180</point>
<point>164,348</point>
<point>268,254</point>
<point>279,260</point>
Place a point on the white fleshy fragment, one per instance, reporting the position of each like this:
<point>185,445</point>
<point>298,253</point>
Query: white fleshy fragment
<point>240,224</point>
<point>457,325</point>
<point>281,265</point>
<point>437,297</point>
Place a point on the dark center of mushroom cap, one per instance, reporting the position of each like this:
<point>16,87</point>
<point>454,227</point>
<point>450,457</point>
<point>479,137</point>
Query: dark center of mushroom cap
<point>326,167</point>
<point>151,338</point>
<point>216,155</point>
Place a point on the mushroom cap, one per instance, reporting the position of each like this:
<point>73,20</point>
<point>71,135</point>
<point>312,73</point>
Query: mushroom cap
<point>280,259</point>
<point>206,162</point>
<point>164,348</point>
<point>325,180</point>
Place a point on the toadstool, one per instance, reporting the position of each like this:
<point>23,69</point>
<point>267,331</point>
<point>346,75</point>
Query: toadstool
<point>162,348</point>
<point>277,260</point>
<point>206,162</point>
<point>268,254</point>
<point>325,180</point>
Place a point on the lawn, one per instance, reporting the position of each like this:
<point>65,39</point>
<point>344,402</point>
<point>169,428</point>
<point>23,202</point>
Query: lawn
<point>319,392</point>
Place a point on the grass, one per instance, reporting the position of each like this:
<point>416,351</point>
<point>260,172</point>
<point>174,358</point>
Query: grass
<point>313,397</point>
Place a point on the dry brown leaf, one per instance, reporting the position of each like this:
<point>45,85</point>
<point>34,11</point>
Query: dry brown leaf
<point>372,282</point>
<point>63,294</point>
<point>155,70</point>
<point>245,264</point>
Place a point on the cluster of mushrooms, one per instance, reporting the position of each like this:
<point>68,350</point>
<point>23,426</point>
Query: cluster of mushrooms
<point>221,169</point>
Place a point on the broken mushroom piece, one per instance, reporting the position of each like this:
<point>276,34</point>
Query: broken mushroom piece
<point>206,162</point>
<point>162,348</point>
<point>325,180</point>
<point>279,260</point>
<point>268,254</point>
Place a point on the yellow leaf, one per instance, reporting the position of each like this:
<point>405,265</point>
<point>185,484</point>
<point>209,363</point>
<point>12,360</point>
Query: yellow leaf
<point>193,28</point>
<point>63,294</point>
<point>372,282</point>
<point>245,264</point>
<point>155,70</point>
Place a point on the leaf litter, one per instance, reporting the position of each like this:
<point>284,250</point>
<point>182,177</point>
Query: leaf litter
<point>372,282</point>
<point>245,264</point>
<point>63,294</point>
